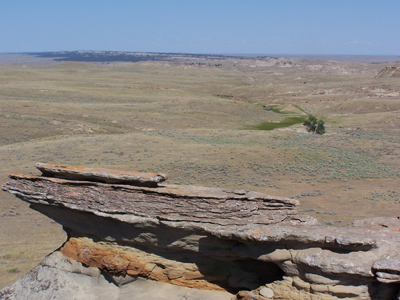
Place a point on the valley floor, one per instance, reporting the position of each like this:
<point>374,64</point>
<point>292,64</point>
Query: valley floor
<point>195,121</point>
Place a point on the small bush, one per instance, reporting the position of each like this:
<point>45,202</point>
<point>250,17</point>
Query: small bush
<point>13,270</point>
<point>314,125</point>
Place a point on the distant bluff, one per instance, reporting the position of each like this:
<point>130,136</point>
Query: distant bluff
<point>392,71</point>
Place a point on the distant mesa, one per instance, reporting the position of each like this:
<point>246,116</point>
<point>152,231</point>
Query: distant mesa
<point>119,56</point>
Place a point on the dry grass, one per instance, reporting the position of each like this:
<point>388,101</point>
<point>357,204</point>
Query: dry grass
<point>191,123</point>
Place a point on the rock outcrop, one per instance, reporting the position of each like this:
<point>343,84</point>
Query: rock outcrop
<point>392,71</point>
<point>187,242</point>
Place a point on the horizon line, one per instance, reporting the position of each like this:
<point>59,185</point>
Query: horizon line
<point>201,53</point>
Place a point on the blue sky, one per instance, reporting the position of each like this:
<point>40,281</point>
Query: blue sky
<point>363,27</point>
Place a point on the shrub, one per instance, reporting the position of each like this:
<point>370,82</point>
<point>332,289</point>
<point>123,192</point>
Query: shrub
<point>12,270</point>
<point>314,125</point>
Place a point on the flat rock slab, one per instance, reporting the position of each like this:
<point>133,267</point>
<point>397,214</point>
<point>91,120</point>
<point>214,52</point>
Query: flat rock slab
<point>169,202</point>
<point>102,175</point>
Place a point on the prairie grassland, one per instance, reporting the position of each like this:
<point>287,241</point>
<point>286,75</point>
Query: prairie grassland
<point>197,124</point>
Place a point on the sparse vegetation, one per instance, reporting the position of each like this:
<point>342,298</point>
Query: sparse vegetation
<point>289,121</point>
<point>13,270</point>
<point>193,123</point>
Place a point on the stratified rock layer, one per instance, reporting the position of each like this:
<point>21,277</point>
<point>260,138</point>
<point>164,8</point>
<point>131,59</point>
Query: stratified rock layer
<point>213,239</point>
<point>102,175</point>
<point>172,203</point>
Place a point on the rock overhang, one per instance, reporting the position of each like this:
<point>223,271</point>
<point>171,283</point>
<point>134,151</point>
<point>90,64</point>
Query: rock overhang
<point>236,227</point>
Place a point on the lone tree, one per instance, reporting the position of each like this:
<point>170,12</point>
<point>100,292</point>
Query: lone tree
<point>314,125</point>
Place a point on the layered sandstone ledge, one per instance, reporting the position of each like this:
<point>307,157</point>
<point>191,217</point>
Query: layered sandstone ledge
<point>220,242</point>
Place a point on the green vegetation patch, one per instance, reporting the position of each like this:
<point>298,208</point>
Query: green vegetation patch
<point>289,121</point>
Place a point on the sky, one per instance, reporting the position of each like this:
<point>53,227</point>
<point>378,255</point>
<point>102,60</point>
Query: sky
<point>331,27</point>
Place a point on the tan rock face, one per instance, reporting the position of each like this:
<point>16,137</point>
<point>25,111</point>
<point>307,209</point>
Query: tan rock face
<point>115,259</point>
<point>59,277</point>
